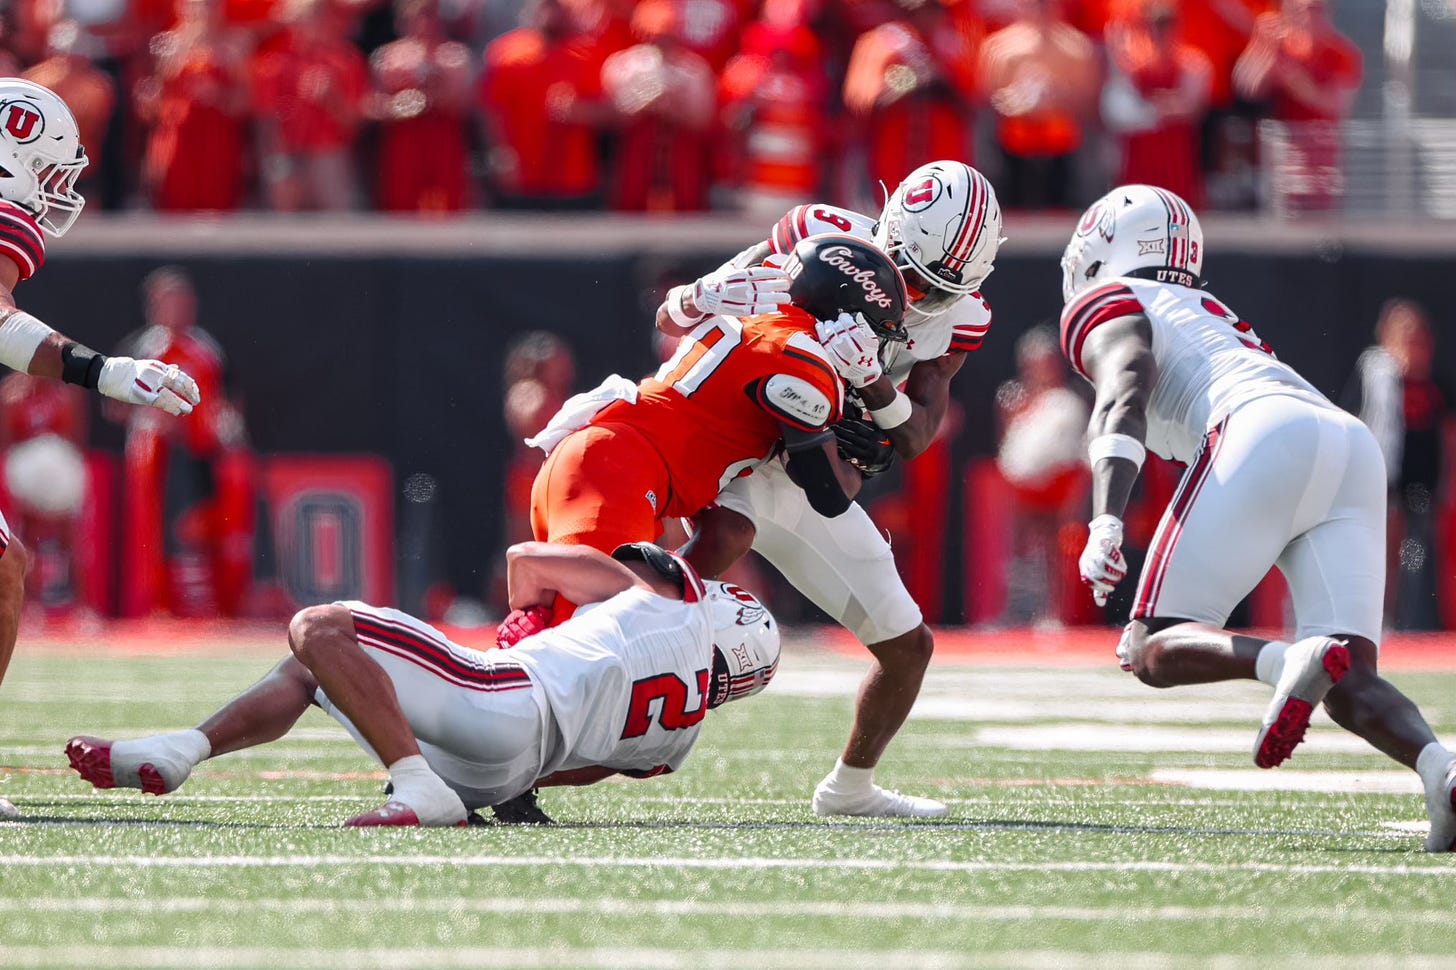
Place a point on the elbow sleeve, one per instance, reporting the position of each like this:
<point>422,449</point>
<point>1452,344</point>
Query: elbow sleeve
<point>811,470</point>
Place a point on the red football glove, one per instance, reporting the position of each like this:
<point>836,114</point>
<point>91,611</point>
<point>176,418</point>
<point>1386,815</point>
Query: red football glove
<point>520,624</point>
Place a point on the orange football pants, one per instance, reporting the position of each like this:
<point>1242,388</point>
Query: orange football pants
<point>600,487</point>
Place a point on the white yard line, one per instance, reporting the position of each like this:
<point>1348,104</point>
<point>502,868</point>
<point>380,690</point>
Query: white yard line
<point>1435,870</point>
<point>781,909</point>
<point>654,958</point>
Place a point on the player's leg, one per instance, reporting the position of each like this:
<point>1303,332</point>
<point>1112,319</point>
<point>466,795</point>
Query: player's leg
<point>323,639</point>
<point>160,763</point>
<point>1238,506</point>
<point>1336,574</point>
<point>13,565</point>
<point>845,566</point>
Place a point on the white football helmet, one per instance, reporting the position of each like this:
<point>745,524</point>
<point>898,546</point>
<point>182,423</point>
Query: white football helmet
<point>745,642</point>
<point>942,227</point>
<point>1134,230</point>
<point>40,154</point>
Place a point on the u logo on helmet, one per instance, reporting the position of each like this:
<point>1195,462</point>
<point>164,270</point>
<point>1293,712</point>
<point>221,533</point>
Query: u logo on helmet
<point>922,195</point>
<point>23,121</point>
<point>1098,219</point>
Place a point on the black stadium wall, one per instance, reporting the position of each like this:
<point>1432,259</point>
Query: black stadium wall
<point>369,335</point>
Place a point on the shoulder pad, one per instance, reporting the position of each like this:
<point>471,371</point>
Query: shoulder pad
<point>797,401</point>
<point>1101,304</point>
<point>816,218</point>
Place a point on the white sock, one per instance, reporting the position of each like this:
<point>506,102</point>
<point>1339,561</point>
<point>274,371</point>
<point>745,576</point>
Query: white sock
<point>417,785</point>
<point>179,747</point>
<point>1270,662</point>
<point>845,778</point>
<point>1431,762</point>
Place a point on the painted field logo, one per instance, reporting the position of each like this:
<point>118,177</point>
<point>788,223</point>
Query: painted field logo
<point>22,120</point>
<point>840,257</point>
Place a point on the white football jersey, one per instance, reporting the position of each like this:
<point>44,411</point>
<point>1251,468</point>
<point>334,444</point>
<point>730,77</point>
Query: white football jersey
<point>1209,360</point>
<point>626,680</point>
<point>960,329</point>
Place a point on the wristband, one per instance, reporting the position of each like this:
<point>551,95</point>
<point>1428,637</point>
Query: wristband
<point>81,365</point>
<point>1116,446</point>
<point>894,414</point>
<point>677,313</point>
<point>20,336</point>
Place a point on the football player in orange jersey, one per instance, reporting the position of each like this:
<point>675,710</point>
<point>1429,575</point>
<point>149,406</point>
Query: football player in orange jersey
<point>942,226</point>
<point>40,159</point>
<point>624,456</point>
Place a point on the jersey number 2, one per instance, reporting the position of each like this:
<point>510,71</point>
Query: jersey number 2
<point>672,694</point>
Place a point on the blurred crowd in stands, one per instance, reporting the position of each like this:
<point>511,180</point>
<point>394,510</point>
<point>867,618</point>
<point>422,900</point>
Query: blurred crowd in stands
<point>437,106</point>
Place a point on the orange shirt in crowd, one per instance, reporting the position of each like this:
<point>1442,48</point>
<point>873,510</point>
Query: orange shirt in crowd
<point>524,71</point>
<point>1041,82</point>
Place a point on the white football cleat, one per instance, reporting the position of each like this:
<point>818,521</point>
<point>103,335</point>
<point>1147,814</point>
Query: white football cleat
<point>874,802</point>
<point>1441,806</point>
<point>1311,667</point>
<point>8,812</point>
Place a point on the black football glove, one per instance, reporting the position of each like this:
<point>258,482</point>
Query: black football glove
<point>864,445</point>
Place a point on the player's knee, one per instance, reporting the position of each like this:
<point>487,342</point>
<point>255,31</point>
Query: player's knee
<point>909,651</point>
<point>316,628</point>
<point>1148,656</point>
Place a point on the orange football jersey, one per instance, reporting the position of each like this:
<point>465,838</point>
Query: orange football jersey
<point>714,410</point>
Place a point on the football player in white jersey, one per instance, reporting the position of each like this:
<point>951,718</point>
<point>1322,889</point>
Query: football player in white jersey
<point>621,687</point>
<point>1276,476</point>
<point>942,225</point>
<point>40,159</point>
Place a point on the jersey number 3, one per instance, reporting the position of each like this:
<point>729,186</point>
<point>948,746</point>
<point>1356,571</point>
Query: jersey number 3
<point>668,691</point>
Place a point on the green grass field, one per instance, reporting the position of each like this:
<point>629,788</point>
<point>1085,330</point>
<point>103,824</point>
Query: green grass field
<point>1094,822</point>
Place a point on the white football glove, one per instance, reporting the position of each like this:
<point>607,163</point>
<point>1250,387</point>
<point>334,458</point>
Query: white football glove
<point>1102,566</point>
<point>742,292</point>
<point>151,382</point>
<point>853,349</point>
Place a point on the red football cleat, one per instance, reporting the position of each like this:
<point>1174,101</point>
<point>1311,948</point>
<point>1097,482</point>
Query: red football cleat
<point>1311,668</point>
<point>91,759</point>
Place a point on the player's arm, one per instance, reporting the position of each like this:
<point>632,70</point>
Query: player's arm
<point>1117,356</point>
<point>537,572</point>
<point>28,345</point>
<point>927,392</point>
<point>740,287</point>
<point>829,482</point>
<point>720,538</point>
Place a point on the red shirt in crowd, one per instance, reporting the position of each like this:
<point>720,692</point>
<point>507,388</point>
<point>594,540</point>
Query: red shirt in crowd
<point>423,88</point>
<point>550,155</point>
<point>313,89</point>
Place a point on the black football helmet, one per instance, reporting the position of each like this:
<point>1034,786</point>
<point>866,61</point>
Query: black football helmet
<point>834,274</point>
